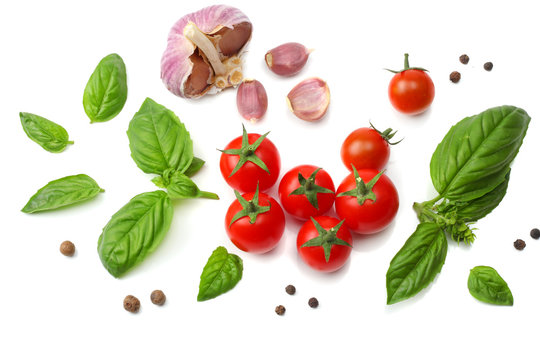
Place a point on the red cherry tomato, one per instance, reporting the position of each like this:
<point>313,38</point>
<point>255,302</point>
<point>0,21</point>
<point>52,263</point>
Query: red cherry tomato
<point>411,91</point>
<point>319,230</point>
<point>374,214</point>
<point>312,198</point>
<point>267,228</point>
<point>253,157</point>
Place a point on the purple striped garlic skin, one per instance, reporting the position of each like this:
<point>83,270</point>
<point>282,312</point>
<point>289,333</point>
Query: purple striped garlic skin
<point>197,35</point>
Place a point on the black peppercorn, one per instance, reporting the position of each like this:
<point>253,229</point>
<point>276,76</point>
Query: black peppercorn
<point>535,234</point>
<point>132,304</point>
<point>157,297</point>
<point>464,59</point>
<point>455,76</point>
<point>290,289</point>
<point>488,66</point>
<point>280,310</point>
<point>67,248</point>
<point>519,244</point>
<point>313,302</point>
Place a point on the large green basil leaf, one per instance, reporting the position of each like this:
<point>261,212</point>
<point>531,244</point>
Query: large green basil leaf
<point>135,231</point>
<point>62,192</point>
<point>106,91</point>
<point>158,140</point>
<point>474,156</point>
<point>49,135</point>
<point>182,187</point>
<point>478,208</point>
<point>417,263</point>
<point>220,274</point>
<point>488,286</point>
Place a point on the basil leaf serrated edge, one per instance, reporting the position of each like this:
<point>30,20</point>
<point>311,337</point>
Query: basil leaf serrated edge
<point>474,156</point>
<point>158,140</point>
<point>46,133</point>
<point>105,93</point>
<point>62,192</point>
<point>486,285</point>
<point>220,274</point>
<point>135,231</point>
<point>417,263</point>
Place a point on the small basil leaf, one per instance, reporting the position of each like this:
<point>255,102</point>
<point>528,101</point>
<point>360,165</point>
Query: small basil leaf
<point>49,135</point>
<point>158,140</point>
<point>486,285</point>
<point>195,166</point>
<point>182,187</point>
<point>474,156</point>
<point>220,274</point>
<point>106,91</point>
<point>135,231</point>
<point>417,263</point>
<point>63,192</point>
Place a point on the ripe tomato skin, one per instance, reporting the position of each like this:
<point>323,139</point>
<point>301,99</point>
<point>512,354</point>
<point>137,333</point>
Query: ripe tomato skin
<point>365,148</point>
<point>298,205</point>
<point>411,91</point>
<point>314,256</point>
<point>264,234</point>
<point>246,178</point>
<point>371,217</point>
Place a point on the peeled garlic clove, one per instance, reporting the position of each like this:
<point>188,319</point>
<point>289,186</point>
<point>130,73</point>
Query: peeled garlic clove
<point>251,100</point>
<point>204,50</point>
<point>287,59</point>
<point>310,99</point>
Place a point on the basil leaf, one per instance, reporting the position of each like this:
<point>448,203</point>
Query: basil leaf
<point>478,208</point>
<point>135,231</point>
<point>63,192</point>
<point>158,140</point>
<point>195,166</point>
<point>182,187</point>
<point>106,91</point>
<point>49,135</point>
<point>474,156</point>
<point>220,274</point>
<point>486,285</point>
<point>417,263</point>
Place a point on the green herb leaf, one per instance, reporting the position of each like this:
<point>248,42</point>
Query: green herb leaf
<point>474,156</point>
<point>135,231</point>
<point>486,285</point>
<point>158,140</point>
<point>63,192</point>
<point>220,274</point>
<point>182,187</point>
<point>106,91</point>
<point>49,135</point>
<point>417,263</point>
<point>195,166</point>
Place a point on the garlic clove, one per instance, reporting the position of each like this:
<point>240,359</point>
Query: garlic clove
<point>251,100</point>
<point>287,59</point>
<point>310,99</point>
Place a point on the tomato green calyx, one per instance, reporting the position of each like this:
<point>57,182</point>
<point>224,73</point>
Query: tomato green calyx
<point>362,191</point>
<point>251,208</point>
<point>247,152</point>
<point>386,134</point>
<point>406,66</point>
<point>326,238</point>
<point>310,189</point>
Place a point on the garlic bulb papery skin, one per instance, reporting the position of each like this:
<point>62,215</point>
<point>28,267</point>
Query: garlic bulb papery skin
<point>204,49</point>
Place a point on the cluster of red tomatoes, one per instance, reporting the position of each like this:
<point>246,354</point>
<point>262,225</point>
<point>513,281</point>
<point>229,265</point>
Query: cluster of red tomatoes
<point>366,201</point>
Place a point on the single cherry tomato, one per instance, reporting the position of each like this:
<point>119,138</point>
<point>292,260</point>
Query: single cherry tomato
<point>367,200</point>
<point>306,191</point>
<point>411,90</point>
<point>324,243</point>
<point>249,161</point>
<point>254,222</point>
<point>367,148</point>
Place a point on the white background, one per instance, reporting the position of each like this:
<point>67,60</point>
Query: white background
<point>71,308</point>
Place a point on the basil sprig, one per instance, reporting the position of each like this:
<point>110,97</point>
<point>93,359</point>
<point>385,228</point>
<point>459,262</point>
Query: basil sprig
<point>470,170</point>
